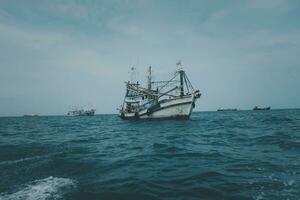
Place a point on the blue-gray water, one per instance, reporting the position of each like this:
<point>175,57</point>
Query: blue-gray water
<point>215,155</point>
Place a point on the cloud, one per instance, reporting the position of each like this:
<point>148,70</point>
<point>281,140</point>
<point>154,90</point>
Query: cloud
<point>71,9</point>
<point>78,53</point>
<point>274,6</point>
<point>38,64</point>
<point>29,37</point>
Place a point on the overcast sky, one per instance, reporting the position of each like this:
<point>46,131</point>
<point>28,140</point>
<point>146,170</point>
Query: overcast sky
<point>58,54</point>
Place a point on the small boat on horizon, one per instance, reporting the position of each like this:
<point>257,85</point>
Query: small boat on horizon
<point>81,112</point>
<point>227,109</point>
<point>26,115</point>
<point>262,108</point>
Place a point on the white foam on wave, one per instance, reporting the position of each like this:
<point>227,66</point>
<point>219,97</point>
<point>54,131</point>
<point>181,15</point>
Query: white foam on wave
<point>48,188</point>
<point>289,183</point>
<point>10,162</point>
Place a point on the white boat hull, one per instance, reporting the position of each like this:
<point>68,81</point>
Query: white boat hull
<point>180,108</point>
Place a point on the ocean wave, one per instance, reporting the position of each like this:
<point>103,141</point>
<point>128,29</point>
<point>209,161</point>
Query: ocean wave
<point>51,187</point>
<point>9,162</point>
<point>33,158</point>
<point>243,155</point>
<point>283,140</point>
<point>278,119</point>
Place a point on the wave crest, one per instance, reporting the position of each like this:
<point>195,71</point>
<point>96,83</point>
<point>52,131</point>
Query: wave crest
<point>51,187</point>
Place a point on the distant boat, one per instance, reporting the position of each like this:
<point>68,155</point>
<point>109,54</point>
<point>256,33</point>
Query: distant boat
<point>81,112</point>
<point>262,108</point>
<point>227,109</point>
<point>30,115</point>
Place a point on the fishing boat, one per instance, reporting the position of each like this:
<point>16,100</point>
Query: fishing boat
<point>81,112</point>
<point>174,98</point>
<point>262,108</point>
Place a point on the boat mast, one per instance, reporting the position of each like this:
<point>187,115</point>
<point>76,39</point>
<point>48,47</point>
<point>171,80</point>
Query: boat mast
<point>181,74</point>
<point>149,78</point>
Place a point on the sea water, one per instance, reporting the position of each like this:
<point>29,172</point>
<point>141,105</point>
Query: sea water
<point>215,155</point>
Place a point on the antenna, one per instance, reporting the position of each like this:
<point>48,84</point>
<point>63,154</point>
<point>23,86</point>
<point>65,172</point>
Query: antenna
<point>133,74</point>
<point>179,65</point>
<point>138,61</point>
